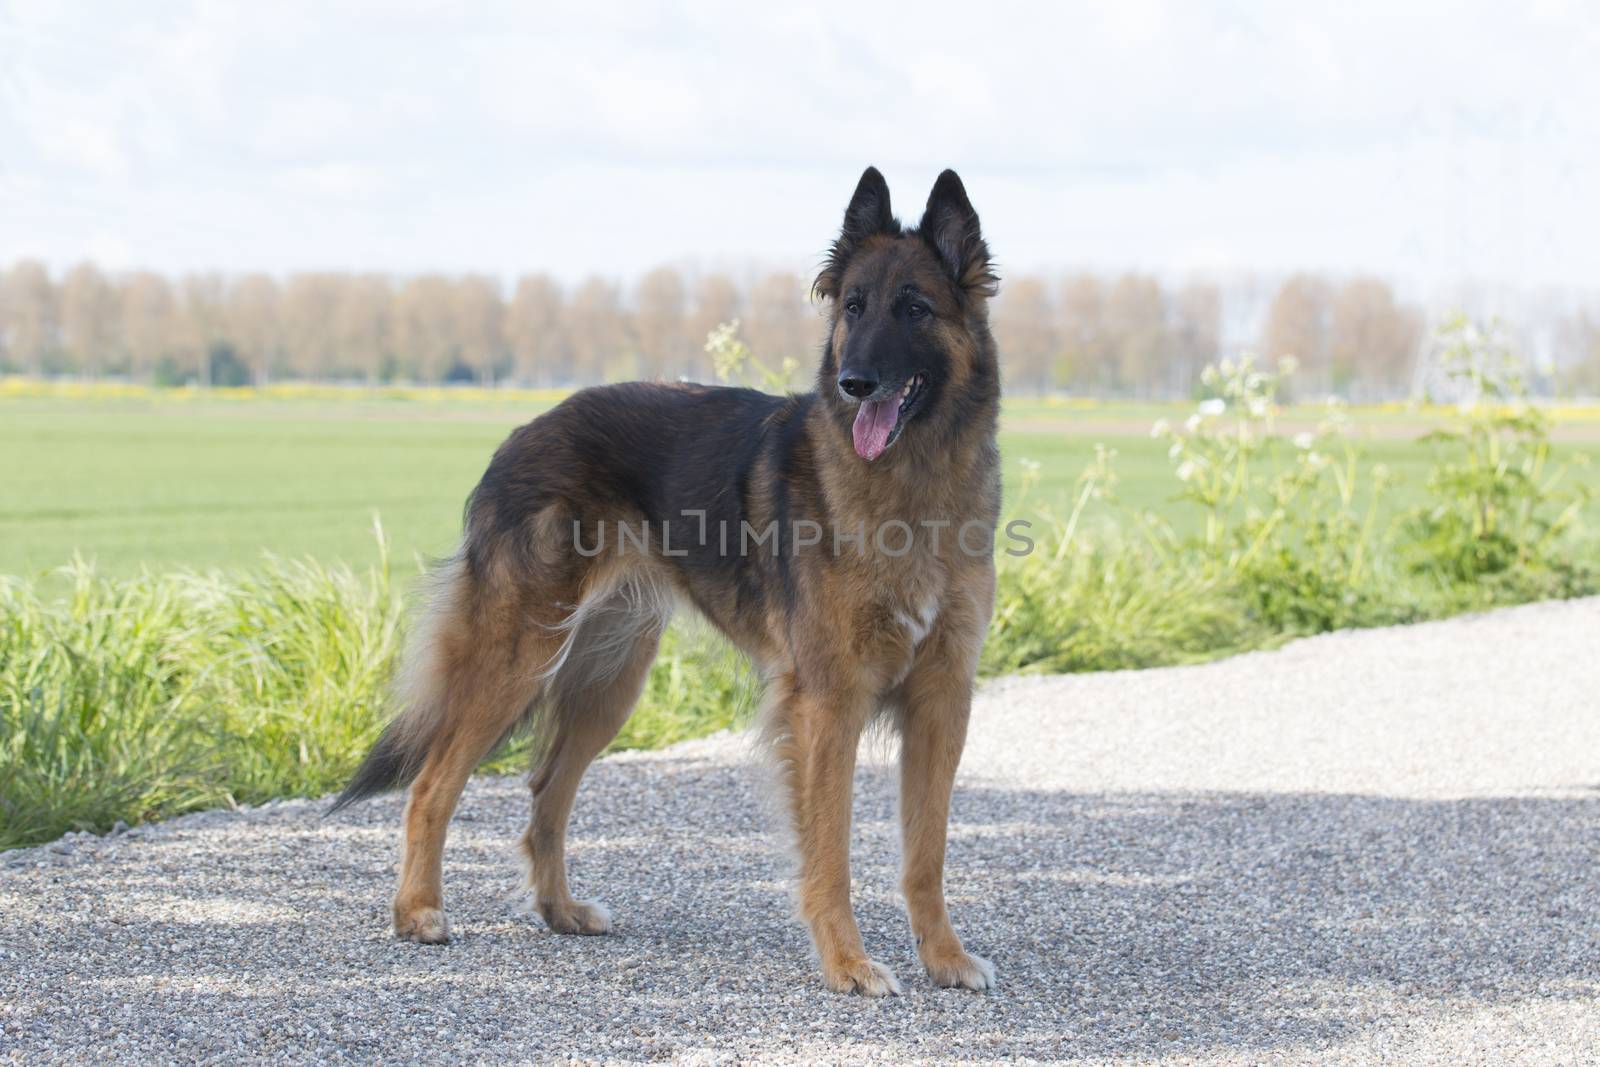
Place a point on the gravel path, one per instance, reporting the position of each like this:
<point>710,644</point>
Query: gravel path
<point>1374,847</point>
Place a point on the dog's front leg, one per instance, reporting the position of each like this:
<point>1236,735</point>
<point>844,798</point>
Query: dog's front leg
<point>933,733</point>
<point>817,752</point>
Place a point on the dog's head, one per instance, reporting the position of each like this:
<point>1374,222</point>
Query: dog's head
<point>908,343</point>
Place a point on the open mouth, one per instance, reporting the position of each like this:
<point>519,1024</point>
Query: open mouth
<point>878,422</point>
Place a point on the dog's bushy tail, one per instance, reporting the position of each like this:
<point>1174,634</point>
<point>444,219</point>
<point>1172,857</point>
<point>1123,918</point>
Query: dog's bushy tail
<point>397,757</point>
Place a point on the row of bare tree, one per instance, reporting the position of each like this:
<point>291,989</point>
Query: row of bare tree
<point>371,327</point>
<point>1129,336</point>
<point>1125,336</point>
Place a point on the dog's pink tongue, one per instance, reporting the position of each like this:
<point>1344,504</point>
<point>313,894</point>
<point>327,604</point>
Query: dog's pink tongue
<point>874,423</point>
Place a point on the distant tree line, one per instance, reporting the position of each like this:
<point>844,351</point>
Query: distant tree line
<point>1129,335</point>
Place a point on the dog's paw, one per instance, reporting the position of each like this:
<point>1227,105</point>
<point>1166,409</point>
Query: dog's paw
<point>960,970</point>
<point>575,917</point>
<point>425,926</point>
<point>867,977</point>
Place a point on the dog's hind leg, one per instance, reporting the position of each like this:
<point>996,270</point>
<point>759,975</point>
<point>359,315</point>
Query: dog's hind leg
<point>590,699</point>
<point>483,682</point>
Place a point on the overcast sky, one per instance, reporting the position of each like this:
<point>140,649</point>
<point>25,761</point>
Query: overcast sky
<point>1430,144</point>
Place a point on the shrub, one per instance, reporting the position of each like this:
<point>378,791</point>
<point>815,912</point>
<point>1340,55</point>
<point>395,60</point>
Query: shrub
<point>1498,517</point>
<point>1289,537</point>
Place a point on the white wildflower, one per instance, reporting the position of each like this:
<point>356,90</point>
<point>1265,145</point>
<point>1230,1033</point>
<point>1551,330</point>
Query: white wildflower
<point>1213,406</point>
<point>1258,407</point>
<point>1187,470</point>
<point>1161,428</point>
<point>1192,423</point>
<point>1304,439</point>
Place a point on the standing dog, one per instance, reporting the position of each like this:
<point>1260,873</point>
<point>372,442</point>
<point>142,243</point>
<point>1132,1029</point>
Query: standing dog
<point>842,539</point>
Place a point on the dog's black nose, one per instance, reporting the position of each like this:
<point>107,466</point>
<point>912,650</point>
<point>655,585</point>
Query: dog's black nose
<point>858,383</point>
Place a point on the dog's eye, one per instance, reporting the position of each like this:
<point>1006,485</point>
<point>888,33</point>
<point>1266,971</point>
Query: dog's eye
<point>916,311</point>
<point>852,307</point>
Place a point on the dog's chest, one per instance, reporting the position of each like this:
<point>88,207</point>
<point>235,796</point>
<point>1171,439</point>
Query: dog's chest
<point>916,617</point>
<point>910,601</point>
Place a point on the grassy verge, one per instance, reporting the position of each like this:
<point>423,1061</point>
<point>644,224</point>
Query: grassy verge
<point>1281,536</point>
<point>138,698</point>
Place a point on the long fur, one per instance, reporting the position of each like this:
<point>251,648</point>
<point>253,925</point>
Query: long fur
<point>397,757</point>
<point>595,633</point>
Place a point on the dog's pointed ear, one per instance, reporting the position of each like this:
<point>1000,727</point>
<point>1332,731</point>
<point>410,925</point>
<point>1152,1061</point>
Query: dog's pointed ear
<point>867,214</point>
<point>951,226</point>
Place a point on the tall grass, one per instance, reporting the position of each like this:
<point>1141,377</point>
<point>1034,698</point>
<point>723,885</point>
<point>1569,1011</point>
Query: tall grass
<point>1289,540</point>
<point>137,699</point>
<point>133,699</point>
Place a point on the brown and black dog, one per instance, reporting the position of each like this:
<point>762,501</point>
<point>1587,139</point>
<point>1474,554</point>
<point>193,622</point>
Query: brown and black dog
<point>842,539</point>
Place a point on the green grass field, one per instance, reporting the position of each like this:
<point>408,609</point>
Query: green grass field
<point>162,482</point>
<point>182,669</point>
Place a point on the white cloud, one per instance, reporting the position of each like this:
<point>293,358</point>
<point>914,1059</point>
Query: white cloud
<point>336,179</point>
<point>110,252</point>
<point>87,144</point>
<point>1431,141</point>
<point>302,123</point>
